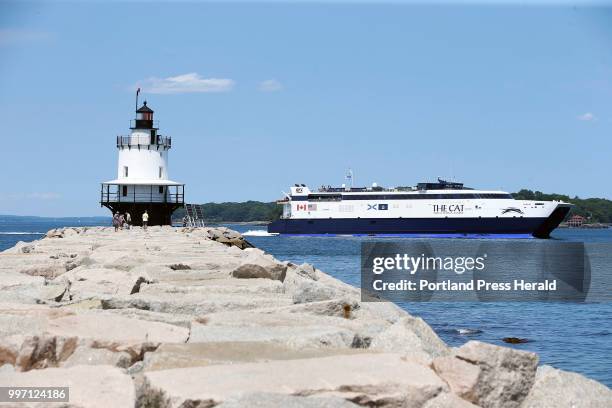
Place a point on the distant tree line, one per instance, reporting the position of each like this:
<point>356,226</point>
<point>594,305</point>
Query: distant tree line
<point>237,212</point>
<point>596,210</point>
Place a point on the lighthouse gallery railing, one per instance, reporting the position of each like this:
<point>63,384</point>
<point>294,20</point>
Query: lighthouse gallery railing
<point>112,193</point>
<point>144,141</point>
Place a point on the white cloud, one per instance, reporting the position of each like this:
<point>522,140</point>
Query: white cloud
<point>12,36</point>
<point>270,85</point>
<point>587,117</point>
<point>186,83</point>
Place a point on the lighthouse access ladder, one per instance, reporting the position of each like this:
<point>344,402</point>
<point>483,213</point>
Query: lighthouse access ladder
<point>195,215</point>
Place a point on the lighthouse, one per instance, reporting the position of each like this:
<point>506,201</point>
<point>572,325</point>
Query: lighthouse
<point>142,182</point>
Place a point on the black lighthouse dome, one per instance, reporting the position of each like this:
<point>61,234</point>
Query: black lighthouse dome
<point>144,117</point>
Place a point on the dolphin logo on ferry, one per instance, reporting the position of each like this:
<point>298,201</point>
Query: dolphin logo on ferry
<point>512,209</point>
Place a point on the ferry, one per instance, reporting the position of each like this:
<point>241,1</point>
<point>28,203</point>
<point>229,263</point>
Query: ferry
<point>441,207</point>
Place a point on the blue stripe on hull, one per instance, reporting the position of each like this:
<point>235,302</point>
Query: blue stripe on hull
<point>398,226</point>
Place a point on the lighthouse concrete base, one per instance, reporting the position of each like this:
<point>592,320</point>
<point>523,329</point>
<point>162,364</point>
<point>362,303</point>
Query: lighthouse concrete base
<point>159,213</point>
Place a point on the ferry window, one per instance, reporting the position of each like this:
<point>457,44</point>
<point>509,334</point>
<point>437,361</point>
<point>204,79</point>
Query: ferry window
<point>324,197</point>
<point>125,171</point>
<point>124,190</point>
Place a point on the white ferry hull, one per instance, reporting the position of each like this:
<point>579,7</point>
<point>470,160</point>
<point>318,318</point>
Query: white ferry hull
<point>431,209</point>
<point>538,227</point>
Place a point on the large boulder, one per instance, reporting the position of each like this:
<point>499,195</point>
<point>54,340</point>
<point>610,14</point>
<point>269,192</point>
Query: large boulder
<point>309,291</point>
<point>462,377</point>
<point>21,248</point>
<point>302,284</point>
<point>448,400</point>
<point>27,353</point>
<point>297,275</point>
<point>492,376</point>
<point>408,335</point>
<point>55,233</point>
<point>346,308</point>
<point>293,336</point>
<point>86,283</point>
<point>175,355</point>
<point>267,400</point>
<point>125,263</point>
<point>561,389</point>
<point>89,386</point>
<point>227,237</point>
<point>260,266</point>
<point>26,319</point>
<point>38,352</point>
<point>115,328</point>
<point>367,379</point>
<point>9,349</point>
<point>55,291</point>
<point>49,270</point>
<point>92,353</point>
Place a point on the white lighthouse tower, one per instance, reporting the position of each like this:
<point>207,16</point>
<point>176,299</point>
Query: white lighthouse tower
<point>142,174</point>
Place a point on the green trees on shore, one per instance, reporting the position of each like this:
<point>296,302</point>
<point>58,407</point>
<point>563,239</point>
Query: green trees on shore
<point>596,210</point>
<point>237,212</point>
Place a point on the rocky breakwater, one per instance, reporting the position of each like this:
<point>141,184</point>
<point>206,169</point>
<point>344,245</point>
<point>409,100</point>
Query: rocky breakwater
<point>198,318</point>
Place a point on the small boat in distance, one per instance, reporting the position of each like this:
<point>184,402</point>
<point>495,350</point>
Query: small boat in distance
<point>440,207</point>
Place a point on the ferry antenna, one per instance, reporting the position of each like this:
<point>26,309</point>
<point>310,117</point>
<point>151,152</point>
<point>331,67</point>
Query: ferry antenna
<point>350,177</point>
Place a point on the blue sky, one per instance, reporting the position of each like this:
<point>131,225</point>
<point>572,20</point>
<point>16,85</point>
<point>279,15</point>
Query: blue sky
<point>258,96</point>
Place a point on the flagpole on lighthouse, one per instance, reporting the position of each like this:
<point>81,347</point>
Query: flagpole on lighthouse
<point>137,92</point>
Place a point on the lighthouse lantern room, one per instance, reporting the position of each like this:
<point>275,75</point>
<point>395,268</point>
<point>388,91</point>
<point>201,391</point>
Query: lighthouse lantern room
<point>142,182</point>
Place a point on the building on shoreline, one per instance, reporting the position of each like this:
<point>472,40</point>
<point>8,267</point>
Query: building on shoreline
<point>576,221</point>
<point>142,181</point>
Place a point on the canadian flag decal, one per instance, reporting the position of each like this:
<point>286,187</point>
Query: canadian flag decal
<point>301,207</point>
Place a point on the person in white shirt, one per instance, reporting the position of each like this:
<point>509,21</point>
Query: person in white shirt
<point>145,219</point>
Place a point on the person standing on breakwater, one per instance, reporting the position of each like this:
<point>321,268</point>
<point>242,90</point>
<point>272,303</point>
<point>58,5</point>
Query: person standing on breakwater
<point>116,221</point>
<point>128,220</point>
<point>145,219</point>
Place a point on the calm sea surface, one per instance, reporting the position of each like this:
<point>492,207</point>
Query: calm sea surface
<point>575,337</point>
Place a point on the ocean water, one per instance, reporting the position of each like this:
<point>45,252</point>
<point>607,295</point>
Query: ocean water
<point>15,229</point>
<point>570,336</point>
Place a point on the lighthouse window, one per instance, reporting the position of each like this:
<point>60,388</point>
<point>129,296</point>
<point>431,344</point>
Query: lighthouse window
<point>161,170</point>
<point>161,190</point>
<point>125,171</point>
<point>124,190</point>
